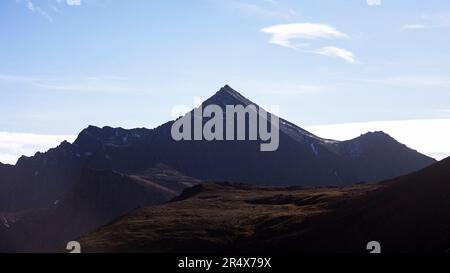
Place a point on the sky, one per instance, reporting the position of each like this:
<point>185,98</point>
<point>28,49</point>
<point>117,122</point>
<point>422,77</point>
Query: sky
<point>337,68</point>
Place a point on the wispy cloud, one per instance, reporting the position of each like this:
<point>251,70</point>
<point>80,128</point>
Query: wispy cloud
<point>429,82</point>
<point>51,7</point>
<point>373,2</point>
<point>108,83</point>
<point>418,81</point>
<point>336,52</point>
<point>16,78</point>
<point>69,2</point>
<point>285,35</point>
<point>293,89</point>
<point>37,9</point>
<point>265,8</point>
<point>413,27</point>
<point>73,2</point>
<point>14,145</point>
<point>430,21</point>
<point>286,89</point>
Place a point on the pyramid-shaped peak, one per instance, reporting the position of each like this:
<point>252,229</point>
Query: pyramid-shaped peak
<point>228,89</point>
<point>228,96</point>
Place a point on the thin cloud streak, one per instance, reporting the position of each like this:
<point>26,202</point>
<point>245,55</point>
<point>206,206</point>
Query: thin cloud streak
<point>286,89</point>
<point>413,26</point>
<point>336,52</point>
<point>413,81</point>
<point>265,8</point>
<point>109,83</point>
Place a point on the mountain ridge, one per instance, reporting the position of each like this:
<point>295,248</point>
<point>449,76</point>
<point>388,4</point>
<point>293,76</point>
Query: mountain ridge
<point>302,159</point>
<point>132,150</point>
<point>404,214</point>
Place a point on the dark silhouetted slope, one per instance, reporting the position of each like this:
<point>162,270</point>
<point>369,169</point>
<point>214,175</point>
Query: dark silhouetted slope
<point>405,214</point>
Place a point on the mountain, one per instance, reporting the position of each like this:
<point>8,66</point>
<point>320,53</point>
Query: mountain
<point>405,214</point>
<point>97,198</point>
<point>301,159</point>
<point>216,217</point>
<point>35,183</point>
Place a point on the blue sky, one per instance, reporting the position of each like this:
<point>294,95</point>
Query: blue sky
<point>65,64</point>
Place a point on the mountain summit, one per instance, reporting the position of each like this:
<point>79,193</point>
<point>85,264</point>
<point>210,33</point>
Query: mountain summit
<point>228,96</point>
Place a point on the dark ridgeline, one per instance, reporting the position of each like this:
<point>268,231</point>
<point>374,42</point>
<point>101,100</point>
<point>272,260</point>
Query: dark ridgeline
<point>36,183</point>
<point>408,214</point>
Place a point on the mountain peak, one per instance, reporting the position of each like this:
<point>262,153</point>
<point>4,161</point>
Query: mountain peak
<point>227,89</point>
<point>228,96</point>
<point>377,135</point>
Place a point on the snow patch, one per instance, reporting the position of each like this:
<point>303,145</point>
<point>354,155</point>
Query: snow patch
<point>314,149</point>
<point>5,222</point>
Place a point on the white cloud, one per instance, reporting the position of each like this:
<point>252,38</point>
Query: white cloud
<point>107,83</point>
<point>89,87</point>
<point>15,78</point>
<point>37,9</point>
<point>418,81</point>
<point>411,81</point>
<point>283,35</point>
<point>429,136</point>
<point>413,26</point>
<point>286,89</point>
<point>374,2</point>
<point>263,8</point>
<point>292,89</point>
<point>336,52</point>
<point>14,145</point>
<point>73,2</point>
<point>429,21</point>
